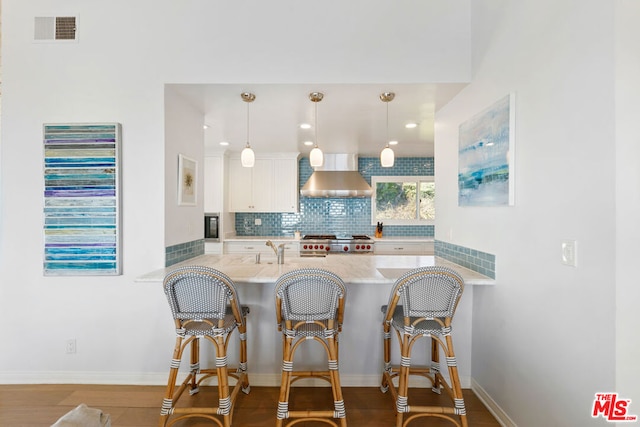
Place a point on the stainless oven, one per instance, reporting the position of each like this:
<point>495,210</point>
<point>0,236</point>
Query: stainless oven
<point>324,244</point>
<point>212,227</point>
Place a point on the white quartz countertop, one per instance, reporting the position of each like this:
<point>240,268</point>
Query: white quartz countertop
<point>357,269</point>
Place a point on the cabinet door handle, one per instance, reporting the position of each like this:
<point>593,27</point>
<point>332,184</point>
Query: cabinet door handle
<point>249,247</point>
<point>399,249</point>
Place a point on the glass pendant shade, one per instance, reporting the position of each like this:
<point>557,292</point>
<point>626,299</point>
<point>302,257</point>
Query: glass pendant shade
<point>386,157</point>
<point>315,157</point>
<point>247,157</point>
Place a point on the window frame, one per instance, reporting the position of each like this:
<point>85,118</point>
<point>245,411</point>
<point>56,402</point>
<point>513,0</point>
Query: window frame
<point>417,179</point>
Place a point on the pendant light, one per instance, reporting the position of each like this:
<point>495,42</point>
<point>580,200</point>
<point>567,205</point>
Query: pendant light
<point>386,155</point>
<point>316,157</point>
<point>247,158</point>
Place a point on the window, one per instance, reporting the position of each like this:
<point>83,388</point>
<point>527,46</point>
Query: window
<point>403,200</point>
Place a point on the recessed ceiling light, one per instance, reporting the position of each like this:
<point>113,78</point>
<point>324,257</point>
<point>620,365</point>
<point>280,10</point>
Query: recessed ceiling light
<point>393,142</point>
<point>224,143</point>
<point>411,125</point>
<point>205,126</point>
<point>308,143</point>
<point>305,126</point>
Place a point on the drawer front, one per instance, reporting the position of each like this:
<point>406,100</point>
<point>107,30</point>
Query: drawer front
<point>259,246</point>
<point>403,248</point>
<point>246,248</point>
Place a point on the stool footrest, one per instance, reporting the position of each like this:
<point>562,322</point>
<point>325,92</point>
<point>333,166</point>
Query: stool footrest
<point>305,414</point>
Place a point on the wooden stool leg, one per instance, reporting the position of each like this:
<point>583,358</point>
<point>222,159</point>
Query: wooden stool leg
<point>167,402</point>
<point>224,399</point>
<point>285,382</point>
<point>338,401</point>
<point>403,383</point>
<point>194,366</point>
<point>458,398</point>
<point>242,368</point>
<point>386,345</point>
<point>434,369</point>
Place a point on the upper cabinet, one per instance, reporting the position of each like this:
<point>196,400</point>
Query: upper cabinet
<point>213,183</point>
<point>271,185</point>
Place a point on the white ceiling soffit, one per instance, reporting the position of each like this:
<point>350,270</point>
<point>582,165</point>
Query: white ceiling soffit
<point>351,117</point>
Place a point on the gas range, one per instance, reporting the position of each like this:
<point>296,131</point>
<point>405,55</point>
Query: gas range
<point>323,244</point>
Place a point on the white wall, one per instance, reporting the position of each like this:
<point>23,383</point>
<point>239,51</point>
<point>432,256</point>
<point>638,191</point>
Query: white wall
<point>537,350</point>
<point>544,339</point>
<point>126,53</point>
<point>627,199</point>
<point>183,135</point>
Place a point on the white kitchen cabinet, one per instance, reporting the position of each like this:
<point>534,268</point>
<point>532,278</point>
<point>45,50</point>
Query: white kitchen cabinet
<point>247,247</point>
<point>212,248</point>
<point>250,189</point>
<point>271,185</point>
<point>403,247</point>
<point>213,183</point>
<point>285,175</point>
<point>291,248</point>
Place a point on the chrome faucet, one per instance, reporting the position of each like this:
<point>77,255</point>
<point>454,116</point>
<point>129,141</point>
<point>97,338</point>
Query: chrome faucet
<point>270,243</point>
<point>279,251</point>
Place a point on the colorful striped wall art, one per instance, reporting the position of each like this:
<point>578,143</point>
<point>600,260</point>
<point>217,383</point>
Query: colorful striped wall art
<point>82,199</point>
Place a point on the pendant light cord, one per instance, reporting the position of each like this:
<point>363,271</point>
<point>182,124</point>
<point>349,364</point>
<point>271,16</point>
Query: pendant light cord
<point>387,123</point>
<point>247,124</point>
<point>316,120</point>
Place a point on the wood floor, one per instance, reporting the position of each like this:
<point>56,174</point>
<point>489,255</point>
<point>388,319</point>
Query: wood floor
<point>139,406</point>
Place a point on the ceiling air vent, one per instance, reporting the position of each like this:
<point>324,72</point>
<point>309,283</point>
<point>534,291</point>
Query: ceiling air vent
<point>55,28</point>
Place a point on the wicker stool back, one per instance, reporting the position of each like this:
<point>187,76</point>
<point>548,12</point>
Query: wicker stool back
<point>310,305</point>
<point>422,304</point>
<point>204,304</point>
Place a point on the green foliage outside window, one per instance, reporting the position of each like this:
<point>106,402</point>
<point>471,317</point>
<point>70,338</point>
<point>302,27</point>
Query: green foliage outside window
<point>397,199</point>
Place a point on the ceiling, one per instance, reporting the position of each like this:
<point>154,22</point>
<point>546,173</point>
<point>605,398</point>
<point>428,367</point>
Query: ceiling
<point>351,117</point>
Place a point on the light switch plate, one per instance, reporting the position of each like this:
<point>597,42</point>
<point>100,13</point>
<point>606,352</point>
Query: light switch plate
<point>570,253</point>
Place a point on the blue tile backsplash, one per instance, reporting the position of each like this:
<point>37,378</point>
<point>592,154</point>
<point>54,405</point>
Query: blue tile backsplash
<point>482,262</point>
<point>344,216</point>
<point>340,216</point>
<point>183,251</point>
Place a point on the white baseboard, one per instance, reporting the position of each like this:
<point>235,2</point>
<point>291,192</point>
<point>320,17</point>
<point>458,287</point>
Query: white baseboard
<point>160,378</point>
<point>491,405</point>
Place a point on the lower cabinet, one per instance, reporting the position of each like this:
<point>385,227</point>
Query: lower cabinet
<point>212,248</point>
<point>403,248</point>
<point>260,246</point>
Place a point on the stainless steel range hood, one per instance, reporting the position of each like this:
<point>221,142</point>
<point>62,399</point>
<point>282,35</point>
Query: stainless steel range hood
<point>338,177</point>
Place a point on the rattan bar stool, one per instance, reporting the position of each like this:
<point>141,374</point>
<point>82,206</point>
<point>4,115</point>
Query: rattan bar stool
<point>422,304</point>
<point>204,304</point>
<point>310,305</point>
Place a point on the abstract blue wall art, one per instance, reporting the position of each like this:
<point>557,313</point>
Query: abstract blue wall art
<point>82,199</point>
<point>486,156</point>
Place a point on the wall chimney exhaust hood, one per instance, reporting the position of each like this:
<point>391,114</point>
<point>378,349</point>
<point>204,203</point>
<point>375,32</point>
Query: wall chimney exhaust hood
<point>337,177</point>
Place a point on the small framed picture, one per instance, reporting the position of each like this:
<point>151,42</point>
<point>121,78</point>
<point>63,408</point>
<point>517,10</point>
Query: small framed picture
<point>187,180</point>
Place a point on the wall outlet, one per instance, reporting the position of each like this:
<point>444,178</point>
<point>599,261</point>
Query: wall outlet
<point>258,221</point>
<point>570,253</point>
<point>70,347</point>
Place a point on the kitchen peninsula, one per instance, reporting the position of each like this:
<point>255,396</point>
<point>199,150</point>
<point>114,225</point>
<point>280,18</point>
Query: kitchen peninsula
<point>369,280</point>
